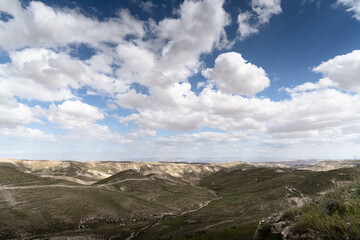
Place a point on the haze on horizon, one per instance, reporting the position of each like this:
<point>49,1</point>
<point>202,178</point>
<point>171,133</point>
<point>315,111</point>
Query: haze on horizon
<point>250,79</point>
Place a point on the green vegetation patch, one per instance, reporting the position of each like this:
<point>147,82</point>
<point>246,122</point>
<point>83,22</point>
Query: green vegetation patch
<point>336,215</point>
<point>243,232</point>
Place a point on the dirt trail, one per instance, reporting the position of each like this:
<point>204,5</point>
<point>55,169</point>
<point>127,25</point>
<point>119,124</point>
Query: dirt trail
<point>202,205</point>
<point>216,224</point>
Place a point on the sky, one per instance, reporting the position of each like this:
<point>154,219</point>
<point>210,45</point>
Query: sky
<point>205,80</point>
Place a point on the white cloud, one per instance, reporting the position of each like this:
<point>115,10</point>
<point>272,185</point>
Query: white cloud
<point>352,6</point>
<point>186,41</point>
<point>24,132</point>
<point>343,70</point>
<point>321,113</point>
<point>82,119</point>
<point>138,64</point>
<point>74,114</point>
<point>178,108</point>
<point>309,86</point>
<point>53,76</point>
<point>233,74</point>
<point>45,67</point>
<point>137,133</point>
<point>173,108</point>
<point>265,9</point>
<point>41,25</point>
<point>249,22</point>
<point>316,113</point>
<point>15,114</point>
<point>162,56</point>
<point>47,75</point>
<point>168,120</point>
<point>246,28</point>
<point>131,99</point>
<point>147,6</point>
<point>315,110</point>
<point>170,56</point>
<point>101,77</point>
<point>12,7</point>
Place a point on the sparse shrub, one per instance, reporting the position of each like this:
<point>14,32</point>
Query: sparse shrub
<point>336,215</point>
<point>265,233</point>
<point>332,206</point>
<point>243,232</point>
<point>290,214</point>
<point>357,192</point>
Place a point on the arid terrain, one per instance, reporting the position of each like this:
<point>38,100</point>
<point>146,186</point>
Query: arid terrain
<point>156,200</point>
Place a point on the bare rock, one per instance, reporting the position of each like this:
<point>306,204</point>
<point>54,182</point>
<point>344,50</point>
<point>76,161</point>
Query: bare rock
<point>286,232</point>
<point>275,228</point>
<point>270,227</point>
<point>348,225</point>
<point>278,227</point>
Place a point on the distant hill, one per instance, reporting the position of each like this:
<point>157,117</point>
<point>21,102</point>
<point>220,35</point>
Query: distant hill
<point>124,175</point>
<point>10,176</point>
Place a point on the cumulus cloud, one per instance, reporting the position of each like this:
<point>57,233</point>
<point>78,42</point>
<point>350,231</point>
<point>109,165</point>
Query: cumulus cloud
<point>39,62</point>
<point>54,76</point>
<point>170,56</point>
<point>74,114</point>
<point>131,99</point>
<point>42,25</point>
<point>82,119</point>
<point>171,109</point>
<point>316,110</point>
<point>173,55</point>
<point>138,64</point>
<point>186,41</point>
<point>249,22</point>
<point>352,6</point>
<point>15,114</point>
<point>161,57</point>
<point>47,75</point>
<point>342,70</point>
<point>233,74</point>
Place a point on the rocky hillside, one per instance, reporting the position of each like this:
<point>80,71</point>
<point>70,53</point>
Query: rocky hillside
<point>336,215</point>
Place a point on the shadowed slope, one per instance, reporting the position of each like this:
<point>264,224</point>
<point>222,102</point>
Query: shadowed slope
<point>34,206</point>
<point>246,196</point>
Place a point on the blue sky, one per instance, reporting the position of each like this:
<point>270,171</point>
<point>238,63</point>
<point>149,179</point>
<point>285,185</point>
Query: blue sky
<point>251,80</point>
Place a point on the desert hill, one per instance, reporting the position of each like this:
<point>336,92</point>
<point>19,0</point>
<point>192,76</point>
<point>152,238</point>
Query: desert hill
<point>155,200</point>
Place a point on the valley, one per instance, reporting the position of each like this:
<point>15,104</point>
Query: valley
<point>155,200</point>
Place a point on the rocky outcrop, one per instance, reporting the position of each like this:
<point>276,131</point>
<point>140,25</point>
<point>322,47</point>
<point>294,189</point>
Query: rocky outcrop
<point>275,227</point>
